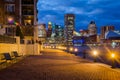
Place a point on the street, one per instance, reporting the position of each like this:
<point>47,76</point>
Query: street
<point>55,64</point>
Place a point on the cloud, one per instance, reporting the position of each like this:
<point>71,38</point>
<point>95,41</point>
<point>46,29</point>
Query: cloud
<point>93,1</point>
<point>47,18</point>
<point>95,11</point>
<point>103,12</point>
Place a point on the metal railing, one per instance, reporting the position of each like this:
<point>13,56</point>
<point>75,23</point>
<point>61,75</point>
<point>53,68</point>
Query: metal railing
<point>7,39</point>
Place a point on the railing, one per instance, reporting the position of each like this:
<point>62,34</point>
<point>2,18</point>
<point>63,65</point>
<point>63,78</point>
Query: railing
<point>28,2</point>
<point>22,41</point>
<point>6,39</point>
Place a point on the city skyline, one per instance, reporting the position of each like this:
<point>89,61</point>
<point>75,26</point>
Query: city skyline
<point>102,12</point>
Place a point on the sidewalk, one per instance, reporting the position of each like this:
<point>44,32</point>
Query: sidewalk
<point>58,65</point>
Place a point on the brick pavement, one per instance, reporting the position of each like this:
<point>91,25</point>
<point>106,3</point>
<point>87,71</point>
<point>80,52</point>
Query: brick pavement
<point>58,65</point>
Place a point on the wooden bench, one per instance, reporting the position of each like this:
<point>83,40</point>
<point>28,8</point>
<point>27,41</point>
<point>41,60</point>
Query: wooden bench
<point>9,58</point>
<point>2,60</point>
<point>15,54</point>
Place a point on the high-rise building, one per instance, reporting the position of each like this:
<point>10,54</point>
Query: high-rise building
<point>92,29</point>
<point>105,29</point>
<point>42,31</point>
<point>28,12</point>
<point>49,31</point>
<point>2,12</point>
<point>23,12</point>
<point>59,31</point>
<point>59,34</point>
<point>11,10</point>
<point>69,22</point>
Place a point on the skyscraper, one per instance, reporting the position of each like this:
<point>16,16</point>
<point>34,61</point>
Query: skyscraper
<point>49,31</point>
<point>92,29</point>
<point>59,34</point>
<point>69,22</point>
<point>42,31</point>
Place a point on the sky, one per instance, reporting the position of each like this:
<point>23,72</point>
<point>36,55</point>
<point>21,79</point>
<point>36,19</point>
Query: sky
<point>103,12</point>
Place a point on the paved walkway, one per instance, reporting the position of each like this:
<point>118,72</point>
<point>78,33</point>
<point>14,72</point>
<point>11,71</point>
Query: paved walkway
<point>58,65</point>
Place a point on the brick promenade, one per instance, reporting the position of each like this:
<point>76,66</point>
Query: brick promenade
<point>58,65</point>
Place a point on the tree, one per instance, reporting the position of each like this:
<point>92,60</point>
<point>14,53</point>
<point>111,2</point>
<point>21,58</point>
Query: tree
<point>19,32</point>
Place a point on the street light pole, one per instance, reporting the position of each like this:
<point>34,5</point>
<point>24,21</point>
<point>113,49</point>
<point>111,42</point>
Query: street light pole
<point>95,55</point>
<point>113,60</point>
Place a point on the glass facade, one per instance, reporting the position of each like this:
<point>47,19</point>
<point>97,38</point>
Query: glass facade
<point>28,12</point>
<point>69,28</point>
<point>10,7</point>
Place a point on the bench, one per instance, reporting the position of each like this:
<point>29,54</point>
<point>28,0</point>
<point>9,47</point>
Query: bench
<point>2,60</point>
<point>15,54</point>
<point>8,57</point>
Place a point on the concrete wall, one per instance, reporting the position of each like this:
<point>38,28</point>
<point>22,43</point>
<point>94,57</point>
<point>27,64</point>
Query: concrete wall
<point>22,49</point>
<point>8,47</point>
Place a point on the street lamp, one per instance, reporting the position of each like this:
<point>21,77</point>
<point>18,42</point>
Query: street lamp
<point>75,49</point>
<point>95,53</point>
<point>112,55</point>
<point>11,21</point>
<point>71,49</point>
<point>113,60</point>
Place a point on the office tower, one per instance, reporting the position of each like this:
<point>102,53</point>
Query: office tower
<point>49,30</point>
<point>69,21</point>
<point>92,29</point>
<point>59,34</point>
<point>42,31</point>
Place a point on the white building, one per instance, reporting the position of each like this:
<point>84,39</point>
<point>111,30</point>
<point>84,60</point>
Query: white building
<point>92,29</point>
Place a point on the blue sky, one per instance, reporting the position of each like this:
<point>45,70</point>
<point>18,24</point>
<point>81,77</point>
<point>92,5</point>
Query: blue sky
<point>103,12</point>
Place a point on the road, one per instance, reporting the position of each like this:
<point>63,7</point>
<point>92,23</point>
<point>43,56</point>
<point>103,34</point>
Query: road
<point>58,65</point>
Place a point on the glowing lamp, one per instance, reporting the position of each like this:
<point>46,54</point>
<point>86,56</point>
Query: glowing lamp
<point>71,49</point>
<point>76,50</point>
<point>95,53</point>
<point>10,19</point>
<point>113,55</point>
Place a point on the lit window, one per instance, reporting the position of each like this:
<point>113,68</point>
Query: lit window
<point>10,7</point>
<point>70,18</point>
<point>9,0</point>
<point>27,22</point>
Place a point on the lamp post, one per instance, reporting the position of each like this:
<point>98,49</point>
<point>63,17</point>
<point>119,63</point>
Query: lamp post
<point>113,60</point>
<point>75,50</point>
<point>70,49</point>
<point>95,53</point>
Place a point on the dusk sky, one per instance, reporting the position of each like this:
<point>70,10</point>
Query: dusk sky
<point>103,12</point>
